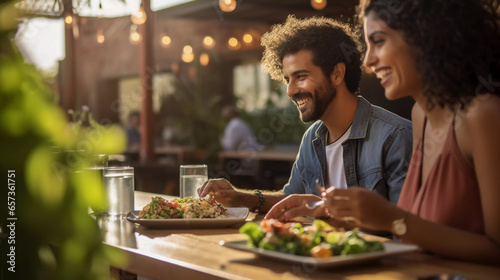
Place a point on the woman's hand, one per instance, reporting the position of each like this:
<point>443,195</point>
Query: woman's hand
<point>362,208</point>
<point>294,206</point>
<point>223,191</point>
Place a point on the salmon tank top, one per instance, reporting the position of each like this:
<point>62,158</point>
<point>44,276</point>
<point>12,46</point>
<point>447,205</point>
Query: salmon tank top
<point>450,195</point>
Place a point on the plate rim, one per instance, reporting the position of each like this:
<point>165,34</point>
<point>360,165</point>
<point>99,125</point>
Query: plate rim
<point>132,216</point>
<point>328,262</point>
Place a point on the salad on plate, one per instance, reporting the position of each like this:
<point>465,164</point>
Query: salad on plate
<point>319,240</point>
<point>183,208</point>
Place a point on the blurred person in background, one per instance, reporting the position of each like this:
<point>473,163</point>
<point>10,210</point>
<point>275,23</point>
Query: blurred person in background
<point>238,136</point>
<point>132,130</point>
<point>450,203</point>
<point>351,142</point>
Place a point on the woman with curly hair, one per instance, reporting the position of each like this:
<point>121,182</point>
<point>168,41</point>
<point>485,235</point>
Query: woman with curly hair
<point>446,56</point>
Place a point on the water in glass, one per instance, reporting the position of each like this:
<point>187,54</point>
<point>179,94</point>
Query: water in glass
<point>190,184</point>
<point>119,192</point>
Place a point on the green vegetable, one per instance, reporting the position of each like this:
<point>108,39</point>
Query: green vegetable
<point>293,238</point>
<point>321,225</point>
<point>254,233</point>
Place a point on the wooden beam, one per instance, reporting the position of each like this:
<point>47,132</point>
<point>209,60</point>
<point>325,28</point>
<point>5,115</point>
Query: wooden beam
<point>69,64</point>
<point>146,72</point>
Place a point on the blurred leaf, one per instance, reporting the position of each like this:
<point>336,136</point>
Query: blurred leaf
<point>115,258</point>
<point>114,141</point>
<point>47,257</point>
<point>90,189</point>
<point>13,121</point>
<point>43,182</point>
<point>8,16</point>
<point>50,122</point>
<point>10,75</point>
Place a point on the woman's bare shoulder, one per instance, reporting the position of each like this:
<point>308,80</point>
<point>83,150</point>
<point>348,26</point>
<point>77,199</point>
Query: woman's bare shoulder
<point>479,125</point>
<point>482,112</point>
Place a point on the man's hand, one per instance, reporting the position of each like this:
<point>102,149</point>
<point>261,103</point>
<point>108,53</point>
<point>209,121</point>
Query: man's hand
<point>294,206</point>
<point>223,191</point>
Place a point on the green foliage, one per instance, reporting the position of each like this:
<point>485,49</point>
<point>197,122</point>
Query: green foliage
<point>275,125</point>
<point>55,237</point>
<point>192,112</point>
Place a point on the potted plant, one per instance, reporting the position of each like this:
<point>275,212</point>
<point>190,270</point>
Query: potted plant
<point>46,227</point>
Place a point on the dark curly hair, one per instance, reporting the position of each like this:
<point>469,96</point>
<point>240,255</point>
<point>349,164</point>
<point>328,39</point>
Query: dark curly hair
<point>456,44</point>
<point>330,41</point>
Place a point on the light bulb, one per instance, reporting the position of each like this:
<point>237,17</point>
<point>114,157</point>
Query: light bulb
<point>187,57</point>
<point>204,59</point>
<point>208,42</point>
<point>165,41</point>
<point>135,37</point>
<point>100,38</point>
<point>232,42</point>
<point>247,38</point>
<point>140,17</point>
<point>68,19</point>
<point>318,4</point>
<point>187,49</point>
<point>227,5</point>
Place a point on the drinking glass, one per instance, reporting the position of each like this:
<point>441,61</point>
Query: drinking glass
<point>192,178</point>
<point>119,186</point>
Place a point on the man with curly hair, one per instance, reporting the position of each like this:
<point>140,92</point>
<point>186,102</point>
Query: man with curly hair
<point>352,142</point>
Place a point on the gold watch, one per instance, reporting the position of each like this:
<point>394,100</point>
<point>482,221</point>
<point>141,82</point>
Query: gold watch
<point>399,227</point>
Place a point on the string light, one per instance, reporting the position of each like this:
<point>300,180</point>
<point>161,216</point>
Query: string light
<point>208,42</point>
<point>318,4</point>
<point>165,41</point>
<point>227,5</point>
<point>232,42</point>
<point>187,49</point>
<point>187,57</point>
<point>68,19</point>
<point>247,38</point>
<point>100,37</point>
<point>204,59</point>
<point>187,54</point>
<point>140,17</point>
<point>134,37</point>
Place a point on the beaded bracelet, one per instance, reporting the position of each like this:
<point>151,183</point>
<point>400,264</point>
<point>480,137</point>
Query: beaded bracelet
<point>261,201</point>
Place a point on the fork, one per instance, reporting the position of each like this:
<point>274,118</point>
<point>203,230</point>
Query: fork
<point>319,188</point>
<point>314,204</point>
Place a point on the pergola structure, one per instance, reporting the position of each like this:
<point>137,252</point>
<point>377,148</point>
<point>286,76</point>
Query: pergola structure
<point>247,12</point>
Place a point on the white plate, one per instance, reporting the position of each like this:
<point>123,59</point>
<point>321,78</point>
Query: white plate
<point>391,248</point>
<point>234,215</point>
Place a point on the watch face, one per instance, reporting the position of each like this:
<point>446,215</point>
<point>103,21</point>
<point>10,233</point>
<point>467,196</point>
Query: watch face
<point>400,228</point>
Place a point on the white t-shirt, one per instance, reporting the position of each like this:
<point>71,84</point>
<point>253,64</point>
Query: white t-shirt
<point>335,162</point>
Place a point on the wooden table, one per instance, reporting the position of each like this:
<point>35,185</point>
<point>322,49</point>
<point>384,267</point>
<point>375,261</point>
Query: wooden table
<point>196,254</point>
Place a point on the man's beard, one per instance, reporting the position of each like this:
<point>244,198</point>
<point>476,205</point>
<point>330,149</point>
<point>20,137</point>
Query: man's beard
<point>322,97</point>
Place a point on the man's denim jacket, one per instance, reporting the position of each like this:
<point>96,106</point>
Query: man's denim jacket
<point>376,154</point>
